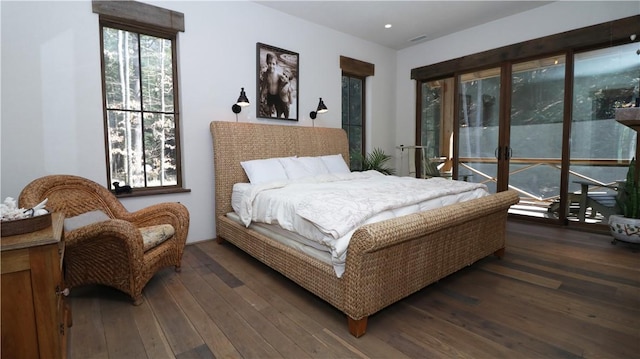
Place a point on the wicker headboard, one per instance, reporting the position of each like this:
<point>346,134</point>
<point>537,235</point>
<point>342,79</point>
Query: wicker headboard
<point>234,142</point>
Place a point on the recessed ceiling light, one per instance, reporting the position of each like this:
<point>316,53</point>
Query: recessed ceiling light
<point>387,26</point>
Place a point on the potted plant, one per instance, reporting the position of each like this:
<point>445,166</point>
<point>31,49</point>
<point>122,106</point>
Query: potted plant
<point>374,160</point>
<point>626,226</point>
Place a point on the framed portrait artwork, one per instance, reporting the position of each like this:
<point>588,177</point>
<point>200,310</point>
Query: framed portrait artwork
<point>277,83</point>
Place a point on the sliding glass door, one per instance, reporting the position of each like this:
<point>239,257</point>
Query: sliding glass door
<point>478,148</point>
<point>601,148</point>
<point>538,117</point>
<point>535,134</point>
<point>435,130</point>
<point>520,148</point>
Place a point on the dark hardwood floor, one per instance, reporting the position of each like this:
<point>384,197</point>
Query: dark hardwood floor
<point>558,293</point>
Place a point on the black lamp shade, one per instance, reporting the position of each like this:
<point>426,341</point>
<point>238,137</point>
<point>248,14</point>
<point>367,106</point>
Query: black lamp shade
<point>243,101</point>
<point>322,108</point>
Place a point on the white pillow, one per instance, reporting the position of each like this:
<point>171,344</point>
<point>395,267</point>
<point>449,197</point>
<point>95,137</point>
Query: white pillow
<point>300,167</point>
<point>264,171</point>
<point>335,164</point>
<point>84,219</point>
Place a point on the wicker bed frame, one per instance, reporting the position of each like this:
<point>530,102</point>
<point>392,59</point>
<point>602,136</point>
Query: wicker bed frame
<point>386,261</point>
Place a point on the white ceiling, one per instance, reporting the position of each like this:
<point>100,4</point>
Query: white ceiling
<point>419,20</point>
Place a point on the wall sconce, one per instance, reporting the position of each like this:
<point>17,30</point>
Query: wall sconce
<point>243,101</point>
<point>322,108</point>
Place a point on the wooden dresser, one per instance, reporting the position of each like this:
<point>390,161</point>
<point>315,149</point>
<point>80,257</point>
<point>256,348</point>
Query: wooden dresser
<point>35,314</point>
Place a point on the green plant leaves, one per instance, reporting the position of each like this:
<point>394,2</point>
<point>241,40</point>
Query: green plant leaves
<point>374,160</point>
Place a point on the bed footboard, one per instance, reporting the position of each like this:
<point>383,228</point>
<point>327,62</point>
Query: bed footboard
<point>390,260</point>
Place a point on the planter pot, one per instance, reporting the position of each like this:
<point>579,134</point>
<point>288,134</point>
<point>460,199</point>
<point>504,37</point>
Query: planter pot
<point>624,229</point>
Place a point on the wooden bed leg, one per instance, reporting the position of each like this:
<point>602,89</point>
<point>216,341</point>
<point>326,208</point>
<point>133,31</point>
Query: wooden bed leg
<point>357,328</point>
<point>137,300</point>
<point>220,240</point>
<point>499,253</point>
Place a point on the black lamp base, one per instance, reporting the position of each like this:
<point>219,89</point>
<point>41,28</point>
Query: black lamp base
<point>236,108</point>
<point>313,115</point>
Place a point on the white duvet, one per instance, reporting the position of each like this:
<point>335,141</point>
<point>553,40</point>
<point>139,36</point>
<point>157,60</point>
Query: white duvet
<point>327,209</point>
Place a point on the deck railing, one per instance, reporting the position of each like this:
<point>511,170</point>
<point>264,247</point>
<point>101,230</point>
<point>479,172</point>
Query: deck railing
<point>523,165</point>
<point>554,163</point>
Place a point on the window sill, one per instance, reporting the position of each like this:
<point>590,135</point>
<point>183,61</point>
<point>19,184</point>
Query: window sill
<point>151,192</point>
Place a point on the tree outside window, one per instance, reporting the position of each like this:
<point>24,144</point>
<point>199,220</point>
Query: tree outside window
<point>140,99</point>
<point>353,117</point>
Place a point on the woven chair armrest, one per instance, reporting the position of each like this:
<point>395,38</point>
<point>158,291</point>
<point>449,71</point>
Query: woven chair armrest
<point>124,232</point>
<point>375,236</point>
<point>173,213</point>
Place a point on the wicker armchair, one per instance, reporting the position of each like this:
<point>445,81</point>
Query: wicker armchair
<point>109,252</point>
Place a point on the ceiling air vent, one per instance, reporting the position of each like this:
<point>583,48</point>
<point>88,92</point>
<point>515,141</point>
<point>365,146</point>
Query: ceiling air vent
<point>418,38</point>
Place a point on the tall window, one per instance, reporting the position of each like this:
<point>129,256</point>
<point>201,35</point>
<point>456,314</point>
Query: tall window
<point>140,95</point>
<point>140,105</point>
<point>353,116</point>
<point>354,74</point>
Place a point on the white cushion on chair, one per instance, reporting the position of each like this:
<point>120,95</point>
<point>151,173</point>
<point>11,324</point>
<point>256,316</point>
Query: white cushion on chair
<point>154,235</point>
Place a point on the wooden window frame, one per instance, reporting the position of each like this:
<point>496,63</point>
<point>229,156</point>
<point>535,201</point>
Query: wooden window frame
<point>361,70</point>
<point>154,21</point>
<point>362,104</point>
<point>607,34</point>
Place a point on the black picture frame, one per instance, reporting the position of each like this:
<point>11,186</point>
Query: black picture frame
<point>277,95</point>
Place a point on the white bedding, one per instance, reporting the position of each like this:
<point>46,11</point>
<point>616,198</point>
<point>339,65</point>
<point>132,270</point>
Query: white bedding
<point>327,209</point>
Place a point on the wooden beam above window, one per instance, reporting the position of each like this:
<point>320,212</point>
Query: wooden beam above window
<point>141,13</point>
<point>609,33</point>
<point>356,67</point>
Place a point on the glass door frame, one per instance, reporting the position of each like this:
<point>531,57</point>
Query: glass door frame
<point>505,150</point>
<point>603,35</point>
<point>504,130</point>
<point>502,163</point>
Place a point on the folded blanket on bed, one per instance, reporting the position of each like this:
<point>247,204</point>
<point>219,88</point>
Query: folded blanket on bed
<point>328,208</point>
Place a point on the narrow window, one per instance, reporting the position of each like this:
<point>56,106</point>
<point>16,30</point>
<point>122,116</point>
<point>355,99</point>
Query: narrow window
<point>354,74</point>
<point>353,116</point>
<point>140,98</point>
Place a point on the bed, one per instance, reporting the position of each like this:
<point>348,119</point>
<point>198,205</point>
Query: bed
<point>386,260</point>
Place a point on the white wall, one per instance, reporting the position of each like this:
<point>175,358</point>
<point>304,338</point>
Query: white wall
<point>554,18</point>
<point>52,118</point>
<point>51,94</point>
